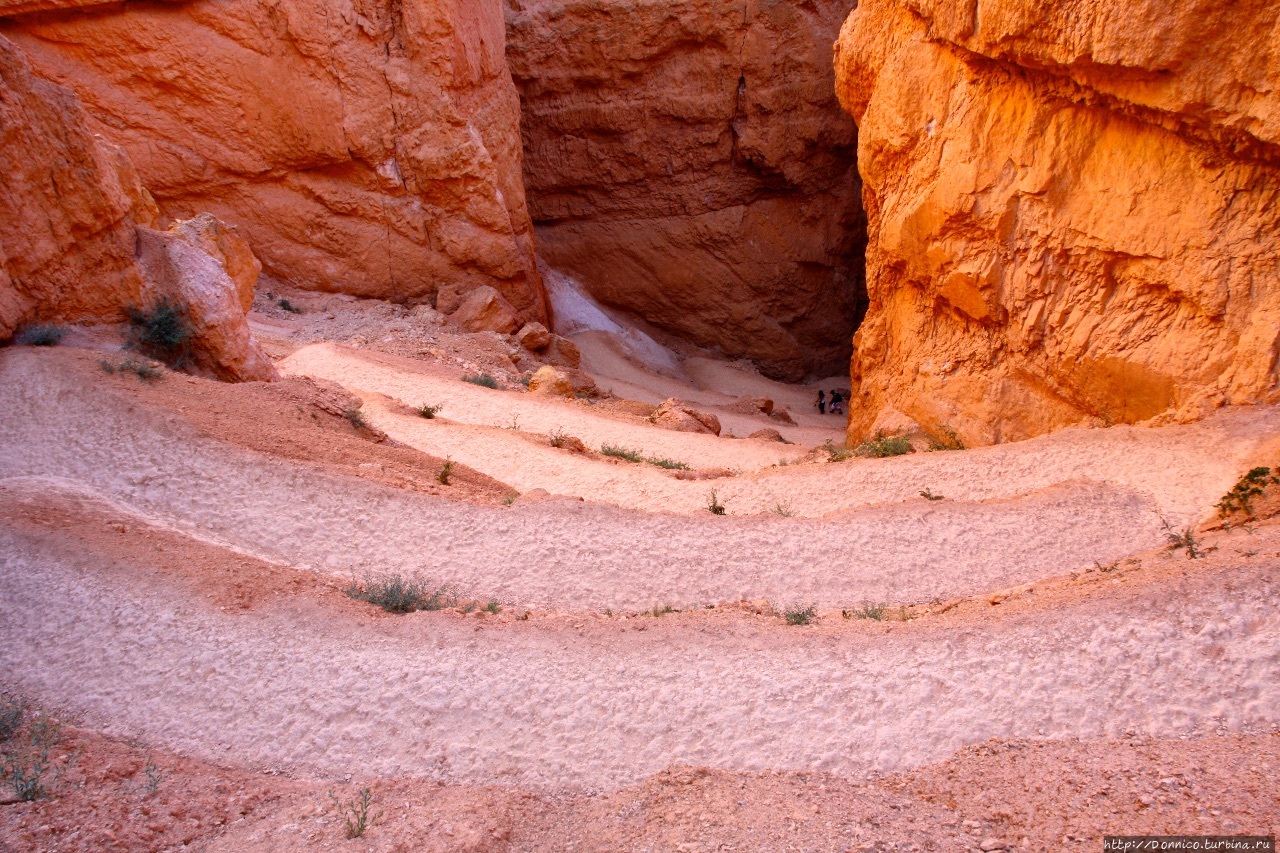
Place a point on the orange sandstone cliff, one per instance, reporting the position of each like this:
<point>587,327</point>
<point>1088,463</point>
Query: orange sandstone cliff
<point>1072,210</point>
<point>370,146</point>
<point>689,162</point>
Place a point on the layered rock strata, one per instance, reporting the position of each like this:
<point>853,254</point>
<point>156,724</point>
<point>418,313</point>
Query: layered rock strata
<point>366,146</point>
<point>689,162</point>
<point>1072,211</point>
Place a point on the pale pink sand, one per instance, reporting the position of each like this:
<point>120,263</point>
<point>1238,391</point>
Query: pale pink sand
<point>426,695</point>
<point>563,554</point>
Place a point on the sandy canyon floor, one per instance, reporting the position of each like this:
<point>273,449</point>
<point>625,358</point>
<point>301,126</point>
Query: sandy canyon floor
<point>1021,663</point>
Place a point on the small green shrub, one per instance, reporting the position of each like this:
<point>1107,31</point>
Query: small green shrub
<point>836,454</point>
<point>399,594</point>
<point>1185,539</point>
<point>1250,486</point>
<point>621,453</point>
<point>162,331</point>
<point>355,417</point>
<point>429,412</point>
<point>355,813</point>
<point>25,748</point>
<point>558,438</point>
<point>446,471</point>
<point>866,611</point>
<point>493,607</point>
<point>797,615</point>
<point>139,367</point>
<point>670,464</point>
<point>484,380</point>
<point>714,505</point>
<point>881,446</point>
<point>289,306</point>
<point>948,441</point>
<point>41,335</point>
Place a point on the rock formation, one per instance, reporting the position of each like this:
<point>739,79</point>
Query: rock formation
<point>75,239</point>
<point>366,146</point>
<point>1071,207</point>
<point>689,162</point>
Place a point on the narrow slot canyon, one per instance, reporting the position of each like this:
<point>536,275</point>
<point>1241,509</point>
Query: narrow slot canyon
<point>690,164</point>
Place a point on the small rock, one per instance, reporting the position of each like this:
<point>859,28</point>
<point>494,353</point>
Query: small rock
<point>989,844</point>
<point>551,380</point>
<point>766,435</point>
<point>534,337</point>
<point>484,310</point>
<point>782,416</point>
<point>675,415</point>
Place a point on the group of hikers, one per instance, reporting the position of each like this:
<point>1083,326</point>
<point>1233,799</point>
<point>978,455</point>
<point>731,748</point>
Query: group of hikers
<point>834,404</point>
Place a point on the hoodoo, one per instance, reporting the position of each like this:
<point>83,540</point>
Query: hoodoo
<point>1072,211</point>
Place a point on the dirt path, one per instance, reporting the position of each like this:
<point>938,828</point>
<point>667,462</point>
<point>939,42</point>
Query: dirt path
<point>605,703</point>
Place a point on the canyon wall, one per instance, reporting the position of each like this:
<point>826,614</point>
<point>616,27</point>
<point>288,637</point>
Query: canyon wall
<point>1072,210</point>
<point>363,146</point>
<point>689,162</point>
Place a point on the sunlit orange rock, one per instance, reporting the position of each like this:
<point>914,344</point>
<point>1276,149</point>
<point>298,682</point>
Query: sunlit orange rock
<point>1071,207</point>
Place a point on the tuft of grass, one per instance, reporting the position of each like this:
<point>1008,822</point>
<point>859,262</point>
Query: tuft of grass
<point>429,412</point>
<point>446,471</point>
<point>355,813</point>
<point>509,498</point>
<point>1240,498</point>
<point>783,509</point>
<point>714,505</point>
<point>928,495</point>
<point>1107,569</point>
<point>515,423</point>
<point>621,453</point>
<point>29,739</point>
<point>559,437</point>
<point>289,306</point>
<point>355,417</point>
<point>797,615</point>
<point>867,611</point>
<point>836,454</point>
<point>41,335</point>
<point>1185,539</point>
<point>139,367</point>
<point>880,446</point>
<point>948,441</point>
<point>154,776</point>
<point>400,594</point>
<point>163,331</point>
<point>670,464</point>
<point>662,611</point>
<point>493,607</point>
<point>484,380</point>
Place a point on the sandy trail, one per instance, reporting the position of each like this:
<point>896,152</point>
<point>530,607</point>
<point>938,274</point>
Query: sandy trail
<point>448,698</point>
<point>559,554</point>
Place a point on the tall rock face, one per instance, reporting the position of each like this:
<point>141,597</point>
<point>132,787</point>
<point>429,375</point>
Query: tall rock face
<point>363,146</point>
<point>688,161</point>
<point>69,207</point>
<point>1072,210</point>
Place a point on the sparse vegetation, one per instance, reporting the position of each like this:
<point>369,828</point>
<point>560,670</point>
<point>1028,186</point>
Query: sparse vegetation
<point>484,380</point>
<point>41,335</point>
<point>783,509</point>
<point>1108,568</point>
<point>1185,539</point>
<point>162,331</point>
<point>446,471</point>
<point>400,594</point>
<point>662,611</point>
<point>355,813</point>
<point>509,498</point>
<point>27,740</point>
<point>714,505</point>
<point>621,453</point>
<point>868,610</point>
<point>880,446</point>
<point>515,423</point>
<point>1248,487</point>
<point>928,495</point>
<point>154,776</point>
<point>836,454</point>
<point>558,438</point>
<point>948,441</point>
<point>288,306</point>
<point>429,412</point>
<point>670,464</point>
<point>493,607</point>
<point>797,615</point>
<point>139,367</point>
<point>355,417</point>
